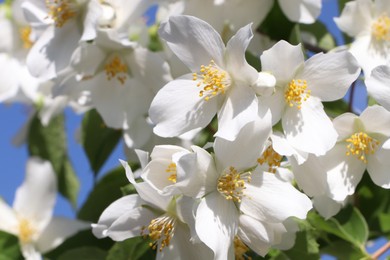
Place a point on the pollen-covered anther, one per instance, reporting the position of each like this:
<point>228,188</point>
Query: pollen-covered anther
<point>361,145</point>
<point>161,231</point>
<point>240,250</point>
<point>212,79</point>
<point>380,28</point>
<point>26,231</point>
<point>296,93</point>
<point>25,33</point>
<point>61,11</point>
<point>232,184</point>
<point>272,158</point>
<point>172,170</point>
<point>116,69</point>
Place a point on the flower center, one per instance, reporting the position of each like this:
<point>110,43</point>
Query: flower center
<point>232,184</point>
<point>380,29</point>
<point>60,11</point>
<point>240,249</point>
<point>296,93</point>
<point>172,170</point>
<point>26,231</point>
<point>212,79</point>
<point>270,157</point>
<point>25,33</point>
<point>161,231</point>
<point>360,145</point>
<point>116,69</point>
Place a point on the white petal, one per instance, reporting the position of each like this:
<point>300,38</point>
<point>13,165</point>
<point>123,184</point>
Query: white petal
<point>376,119</point>
<point>345,125</point>
<point>239,108</point>
<point>291,56</point>
<point>326,206</point>
<point>243,152</point>
<point>378,85</point>
<point>194,41</point>
<point>301,11</point>
<point>283,147</point>
<point>8,219</point>
<point>236,63</point>
<point>116,209</point>
<point>275,103</point>
<point>256,234</point>
<point>309,129</point>
<point>272,200</point>
<point>35,198</point>
<point>57,231</point>
<point>330,75</point>
<point>177,108</point>
<point>379,169</point>
<point>216,223</point>
<point>94,12</point>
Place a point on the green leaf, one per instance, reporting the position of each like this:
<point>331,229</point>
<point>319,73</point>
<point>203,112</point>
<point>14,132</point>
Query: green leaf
<point>85,253</point>
<point>9,247</point>
<point>335,108</point>
<point>305,247</point>
<point>107,190</point>
<point>135,248</point>
<point>349,225</point>
<point>324,39</point>
<point>49,143</point>
<point>384,221</point>
<point>98,140</point>
<point>343,250</point>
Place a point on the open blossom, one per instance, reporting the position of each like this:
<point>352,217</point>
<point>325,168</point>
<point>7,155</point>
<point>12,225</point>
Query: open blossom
<point>31,218</point>
<point>300,88</point>
<point>60,24</point>
<point>164,220</point>
<point>363,143</point>
<point>368,21</point>
<point>221,82</point>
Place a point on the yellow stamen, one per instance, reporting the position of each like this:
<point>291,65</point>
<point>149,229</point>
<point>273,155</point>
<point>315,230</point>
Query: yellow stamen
<point>232,184</point>
<point>161,231</point>
<point>25,33</point>
<point>172,169</point>
<point>296,93</point>
<point>361,145</point>
<point>116,69</point>
<point>240,250</point>
<point>272,158</point>
<point>60,11</point>
<point>26,231</point>
<point>213,79</point>
<point>380,29</point>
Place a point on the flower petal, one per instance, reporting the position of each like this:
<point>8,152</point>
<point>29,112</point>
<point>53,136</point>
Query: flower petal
<point>330,75</point>
<point>291,56</point>
<point>216,223</point>
<point>194,41</point>
<point>177,108</point>
<point>309,129</point>
<point>301,11</point>
<point>326,206</point>
<point>379,169</point>
<point>8,219</point>
<point>378,85</point>
<point>376,119</point>
<point>239,108</point>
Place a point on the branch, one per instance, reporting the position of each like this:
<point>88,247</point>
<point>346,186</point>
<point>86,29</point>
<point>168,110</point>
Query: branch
<point>381,251</point>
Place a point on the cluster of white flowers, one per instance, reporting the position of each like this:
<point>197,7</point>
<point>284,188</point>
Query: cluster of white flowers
<point>273,137</point>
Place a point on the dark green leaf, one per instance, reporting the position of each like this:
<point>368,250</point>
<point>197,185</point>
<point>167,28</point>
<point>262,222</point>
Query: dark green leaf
<point>343,250</point>
<point>135,248</point>
<point>305,247</point>
<point>323,38</point>
<point>384,221</point>
<point>107,190</point>
<point>98,140</point>
<point>49,143</point>
<point>335,108</point>
<point>85,253</point>
<point>9,247</point>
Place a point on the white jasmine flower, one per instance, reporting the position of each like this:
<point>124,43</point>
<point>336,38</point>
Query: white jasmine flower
<point>221,82</point>
<point>163,219</point>
<point>368,21</point>
<point>31,218</point>
<point>300,88</point>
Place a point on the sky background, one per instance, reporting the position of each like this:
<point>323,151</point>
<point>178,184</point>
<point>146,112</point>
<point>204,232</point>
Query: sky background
<point>13,159</point>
